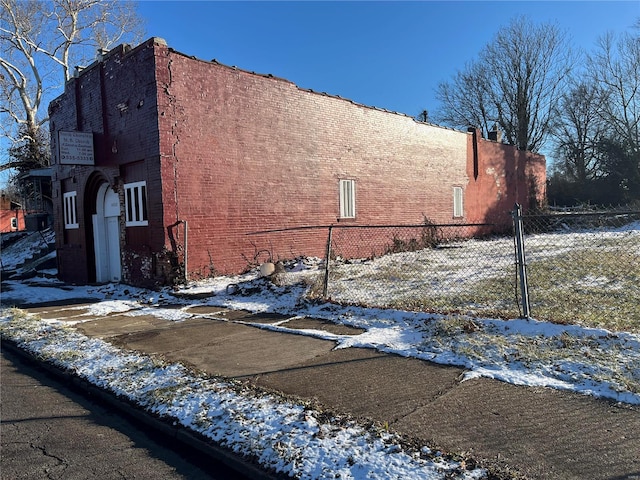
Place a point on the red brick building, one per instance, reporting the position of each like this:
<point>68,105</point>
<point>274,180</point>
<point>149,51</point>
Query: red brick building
<point>11,215</point>
<point>162,160</point>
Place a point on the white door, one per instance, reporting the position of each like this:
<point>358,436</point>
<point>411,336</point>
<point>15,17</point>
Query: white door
<point>113,248</point>
<point>106,235</point>
<point>99,245</point>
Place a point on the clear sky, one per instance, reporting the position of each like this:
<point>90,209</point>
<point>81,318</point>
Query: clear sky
<point>389,55</point>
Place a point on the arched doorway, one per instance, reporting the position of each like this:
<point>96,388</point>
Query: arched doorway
<point>106,235</point>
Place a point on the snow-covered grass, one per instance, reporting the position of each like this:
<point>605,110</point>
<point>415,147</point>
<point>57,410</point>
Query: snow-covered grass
<point>18,247</point>
<point>297,438</point>
<point>594,275</point>
<point>591,278</point>
<point>475,277</point>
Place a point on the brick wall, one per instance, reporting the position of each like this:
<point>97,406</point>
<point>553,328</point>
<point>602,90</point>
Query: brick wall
<point>502,177</point>
<point>231,152</point>
<point>115,99</point>
<point>243,152</point>
<point>6,220</point>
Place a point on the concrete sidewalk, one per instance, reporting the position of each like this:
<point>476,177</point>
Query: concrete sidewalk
<point>536,432</point>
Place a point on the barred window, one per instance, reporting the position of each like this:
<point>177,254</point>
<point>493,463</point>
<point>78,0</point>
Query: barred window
<point>347,198</point>
<point>458,205</point>
<point>70,210</point>
<point>135,198</point>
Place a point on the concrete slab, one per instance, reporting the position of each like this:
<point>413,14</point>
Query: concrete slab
<point>542,433</point>
<point>115,325</point>
<point>210,310</point>
<point>217,347</point>
<point>546,433</point>
<point>323,325</point>
<point>365,383</point>
<point>238,315</point>
<point>61,312</point>
<point>9,301</point>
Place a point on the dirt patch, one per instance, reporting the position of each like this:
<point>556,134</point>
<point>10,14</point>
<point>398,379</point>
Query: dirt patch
<point>324,325</point>
<point>209,310</point>
<point>243,316</point>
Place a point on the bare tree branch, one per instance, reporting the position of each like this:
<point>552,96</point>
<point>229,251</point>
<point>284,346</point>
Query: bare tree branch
<point>41,41</point>
<point>515,83</point>
<point>615,66</point>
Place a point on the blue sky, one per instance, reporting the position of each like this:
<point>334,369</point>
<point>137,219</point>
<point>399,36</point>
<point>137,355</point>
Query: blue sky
<point>390,55</point>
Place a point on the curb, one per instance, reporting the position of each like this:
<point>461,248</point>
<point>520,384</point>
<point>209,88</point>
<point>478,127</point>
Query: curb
<point>182,435</point>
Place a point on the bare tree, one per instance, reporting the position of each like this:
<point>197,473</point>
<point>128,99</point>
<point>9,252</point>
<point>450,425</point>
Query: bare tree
<point>578,128</point>
<point>515,83</point>
<point>465,100</point>
<point>615,67</point>
<point>40,44</point>
<point>597,126</point>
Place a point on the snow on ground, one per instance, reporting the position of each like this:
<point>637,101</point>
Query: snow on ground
<point>454,273</point>
<point>23,245</point>
<point>295,438</point>
<point>591,361</point>
<point>282,435</point>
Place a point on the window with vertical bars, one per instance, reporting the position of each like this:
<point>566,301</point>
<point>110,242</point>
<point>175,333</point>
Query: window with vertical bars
<point>135,200</point>
<point>458,205</point>
<point>70,210</point>
<point>347,198</point>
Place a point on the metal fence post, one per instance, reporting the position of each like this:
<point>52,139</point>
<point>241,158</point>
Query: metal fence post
<point>325,287</point>
<point>520,260</point>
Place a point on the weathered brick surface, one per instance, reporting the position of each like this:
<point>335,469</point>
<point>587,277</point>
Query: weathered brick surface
<point>116,100</point>
<point>231,152</point>
<point>505,176</point>
<point>247,152</point>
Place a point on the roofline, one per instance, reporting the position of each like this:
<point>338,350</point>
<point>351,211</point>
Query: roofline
<point>126,49</point>
<point>308,90</point>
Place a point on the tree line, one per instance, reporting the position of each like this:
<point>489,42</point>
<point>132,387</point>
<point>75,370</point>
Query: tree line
<point>584,107</point>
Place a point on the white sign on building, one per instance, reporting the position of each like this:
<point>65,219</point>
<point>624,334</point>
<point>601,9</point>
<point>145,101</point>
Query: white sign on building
<point>76,148</point>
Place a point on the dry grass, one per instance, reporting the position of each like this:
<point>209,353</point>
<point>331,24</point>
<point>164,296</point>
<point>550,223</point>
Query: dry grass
<point>599,289</point>
<point>586,279</point>
<point>564,356</point>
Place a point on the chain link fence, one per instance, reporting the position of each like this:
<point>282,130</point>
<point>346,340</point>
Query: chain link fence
<point>577,267</point>
<point>437,268</point>
<point>584,267</point>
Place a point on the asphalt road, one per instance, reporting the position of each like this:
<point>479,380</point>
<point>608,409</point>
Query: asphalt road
<point>50,431</point>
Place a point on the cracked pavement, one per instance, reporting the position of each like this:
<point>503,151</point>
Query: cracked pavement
<point>51,432</point>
